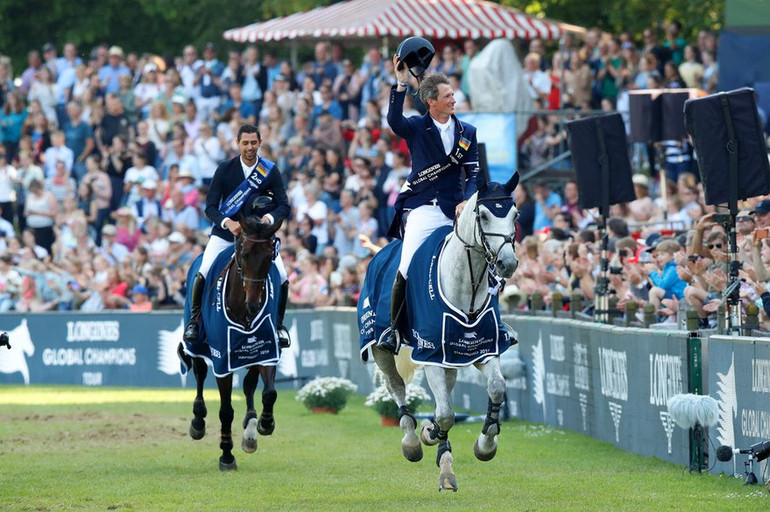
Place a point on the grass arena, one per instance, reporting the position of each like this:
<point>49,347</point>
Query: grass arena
<point>120,447</point>
<point>74,448</point>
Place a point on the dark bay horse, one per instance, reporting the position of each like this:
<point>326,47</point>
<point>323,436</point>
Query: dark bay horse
<point>240,294</point>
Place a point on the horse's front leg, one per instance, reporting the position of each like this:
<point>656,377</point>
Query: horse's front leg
<point>198,424</point>
<point>227,460</point>
<point>441,382</point>
<point>485,447</point>
<point>410,443</point>
<point>266,424</point>
<point>249,439</point>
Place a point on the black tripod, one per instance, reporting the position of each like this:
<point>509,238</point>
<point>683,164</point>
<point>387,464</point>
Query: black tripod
<point>732,293</point>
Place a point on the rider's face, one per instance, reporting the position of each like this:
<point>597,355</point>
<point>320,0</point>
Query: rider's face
<point>249,144</point>
<point>444,104</point>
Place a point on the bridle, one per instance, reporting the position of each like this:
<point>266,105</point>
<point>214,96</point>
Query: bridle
<point>237,258</point>
<point>486,250</point>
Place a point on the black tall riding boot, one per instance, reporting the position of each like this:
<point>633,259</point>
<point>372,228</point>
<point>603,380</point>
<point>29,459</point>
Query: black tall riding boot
<point>391,338</point>
<point>283,334</point>
<point>191,330</point>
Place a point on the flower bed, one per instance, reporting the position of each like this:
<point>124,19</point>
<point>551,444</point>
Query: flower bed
<point>326,393</point>
<point>381,401</point>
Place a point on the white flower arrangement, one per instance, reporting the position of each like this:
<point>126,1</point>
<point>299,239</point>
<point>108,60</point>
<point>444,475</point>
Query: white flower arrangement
<point>383,403</point>
<point>326,392</point>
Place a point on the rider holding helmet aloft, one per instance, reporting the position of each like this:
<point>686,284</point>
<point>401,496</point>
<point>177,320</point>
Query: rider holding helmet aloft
<point>441,148</point>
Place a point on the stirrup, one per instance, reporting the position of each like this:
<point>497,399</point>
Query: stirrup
<point>284,340</point>
<point>390,340</point>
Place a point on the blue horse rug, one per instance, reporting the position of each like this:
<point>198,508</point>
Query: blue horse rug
<point>438,333</point>
<point>222,342</point>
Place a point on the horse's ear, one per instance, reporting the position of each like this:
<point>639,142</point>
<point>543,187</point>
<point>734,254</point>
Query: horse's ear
<point>511,185</point>
<point>275,226</point>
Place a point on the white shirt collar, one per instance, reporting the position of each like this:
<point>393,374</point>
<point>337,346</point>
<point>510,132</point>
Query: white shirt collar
<point>247,169</point>
<point>443,126</point>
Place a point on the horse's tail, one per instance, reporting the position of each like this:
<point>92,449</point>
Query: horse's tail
<point>404,364</point>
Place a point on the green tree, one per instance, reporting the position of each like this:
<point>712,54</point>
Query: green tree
<point>156,26</point>
<point>630,15</point>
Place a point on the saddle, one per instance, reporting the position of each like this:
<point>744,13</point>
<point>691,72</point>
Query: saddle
<point>225,344</point>
<point>438,333</point>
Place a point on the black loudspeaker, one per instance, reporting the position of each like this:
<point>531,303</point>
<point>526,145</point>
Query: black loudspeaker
<point>707,122</point>
<point>586,137</point>
<point>656,114</point>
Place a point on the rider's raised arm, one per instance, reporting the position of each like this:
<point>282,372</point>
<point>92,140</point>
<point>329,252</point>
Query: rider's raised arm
<point>396,120</point>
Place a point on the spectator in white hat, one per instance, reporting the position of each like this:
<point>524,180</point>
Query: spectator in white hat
<point>148,206</point>
<point>140,172</point>
<point>113,70</point>
<point>148,89</point>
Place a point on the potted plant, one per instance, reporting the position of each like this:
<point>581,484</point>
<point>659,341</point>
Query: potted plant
<point>326,394</point>
<point>381,401</point>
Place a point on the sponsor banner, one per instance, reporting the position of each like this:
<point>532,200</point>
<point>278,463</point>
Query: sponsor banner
<point>498,134</point>
<point>739,380</point>
<point>608,382</point>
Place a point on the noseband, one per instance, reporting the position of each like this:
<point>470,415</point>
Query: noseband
<point>488,253</point>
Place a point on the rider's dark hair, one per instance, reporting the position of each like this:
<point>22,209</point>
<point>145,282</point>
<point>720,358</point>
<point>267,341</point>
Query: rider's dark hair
<point>248,128</point>
<point>429,86</point>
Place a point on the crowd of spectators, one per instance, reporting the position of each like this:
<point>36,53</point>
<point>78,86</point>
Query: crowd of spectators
<point>106,157</point>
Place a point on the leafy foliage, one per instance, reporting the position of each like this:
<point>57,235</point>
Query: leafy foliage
<point>159,27</point>
<point>632,16</point>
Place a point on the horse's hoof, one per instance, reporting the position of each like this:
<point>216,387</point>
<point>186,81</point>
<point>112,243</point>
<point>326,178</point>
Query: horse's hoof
<point>447,482</point>
<point>425,433</point>
<point>227,466</point>
<point>484,457</point>
<point>249,439</point>
<point>197,428</point>
<point>411,447</point>
<point>266,427</point>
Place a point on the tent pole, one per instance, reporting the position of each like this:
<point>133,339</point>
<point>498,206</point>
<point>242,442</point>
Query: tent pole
<point>293,50</point>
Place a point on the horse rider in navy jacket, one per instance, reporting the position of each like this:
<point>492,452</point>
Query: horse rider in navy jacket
<point>445,173</point>
<point>228,177</point>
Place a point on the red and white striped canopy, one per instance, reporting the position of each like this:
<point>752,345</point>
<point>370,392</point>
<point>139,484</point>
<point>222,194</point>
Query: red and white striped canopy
<point>439,19</point>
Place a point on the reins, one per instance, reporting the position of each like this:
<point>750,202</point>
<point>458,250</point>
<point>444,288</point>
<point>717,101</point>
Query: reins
<point>238,268</point>
<point>488,254</point>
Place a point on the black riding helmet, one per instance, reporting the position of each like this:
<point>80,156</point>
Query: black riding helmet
<point>416,53</point>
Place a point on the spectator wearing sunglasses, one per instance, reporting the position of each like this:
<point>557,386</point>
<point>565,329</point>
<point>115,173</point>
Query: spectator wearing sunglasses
<point>762,214</point>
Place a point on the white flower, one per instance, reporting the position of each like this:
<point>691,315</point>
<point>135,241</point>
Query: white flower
<point>414,393</point>
<point>322,386</point>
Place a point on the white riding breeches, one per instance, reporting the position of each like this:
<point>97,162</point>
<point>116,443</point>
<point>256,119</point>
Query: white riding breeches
<point>420,223</point>
<point>216,245</point>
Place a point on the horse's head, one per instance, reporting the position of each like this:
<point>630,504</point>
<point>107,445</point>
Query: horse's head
<point>494,225</point>
<point>254,252</point>
<point>20,338</point>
